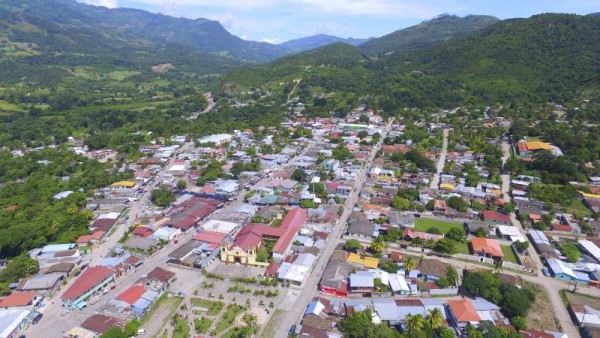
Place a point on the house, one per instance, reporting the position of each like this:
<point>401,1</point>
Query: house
<point>20,299</point>
<point>122,185</point>
<point>462,313</point>
<point>100,323</point>
<point>565,271</point>
<point>491,216</point>
<point>432,269</point>
<point>362,282</point>
<point>410,235</point>
<point>585,315</point>
<point>368,262</point>
<point>227,188</point>
<point>361,229</point>
<point>161,275</point>
<point>440,207</point>
<point>91,281</point>
<point>334,277</point>
<point>398,284</point>
<point>487,247</point>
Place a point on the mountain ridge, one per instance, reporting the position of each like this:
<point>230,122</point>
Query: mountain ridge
<point>318,40</point>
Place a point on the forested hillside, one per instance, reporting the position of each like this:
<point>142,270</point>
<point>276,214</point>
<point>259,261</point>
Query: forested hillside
<point>428,33</point>
<point>551,57</point>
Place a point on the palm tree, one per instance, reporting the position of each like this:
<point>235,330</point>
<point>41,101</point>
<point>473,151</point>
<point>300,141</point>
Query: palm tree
<point>414,323</point>
<point>378,244</point>
<point>435,318</point>
<point>409,264</point>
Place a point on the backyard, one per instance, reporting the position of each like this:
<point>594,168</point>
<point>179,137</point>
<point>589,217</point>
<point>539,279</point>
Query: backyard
<point>424,224</point>
<point>509,255</point>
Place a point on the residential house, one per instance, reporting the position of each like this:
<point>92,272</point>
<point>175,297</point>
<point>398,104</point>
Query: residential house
<point>487,247</point>
<point>462,313</point>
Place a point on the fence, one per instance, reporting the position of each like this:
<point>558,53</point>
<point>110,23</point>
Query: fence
<point>443,292</point>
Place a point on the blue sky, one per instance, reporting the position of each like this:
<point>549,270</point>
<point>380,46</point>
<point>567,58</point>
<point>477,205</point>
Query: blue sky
<point>280,20</point>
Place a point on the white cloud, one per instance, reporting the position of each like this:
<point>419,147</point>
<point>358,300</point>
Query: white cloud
<point>273,41</point>
<point>105,3</point>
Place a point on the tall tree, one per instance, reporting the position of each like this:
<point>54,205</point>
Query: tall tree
<point>435,318</point>
<point>409,264</point>
<point>414,323</point>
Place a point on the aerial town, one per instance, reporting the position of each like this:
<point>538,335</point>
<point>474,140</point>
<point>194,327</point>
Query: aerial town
<point>320,225</point>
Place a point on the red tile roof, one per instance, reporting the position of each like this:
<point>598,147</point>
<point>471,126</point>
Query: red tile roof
<point>141,230</point>
<point>463,310</point>
<point>292,222</point>
<point>487,245</point>
<point>91,277</point>
<point>561,227</point>
<point>132,294</point>
<point>210,237</point>
<point>16,299</point>
<point>490,215</point>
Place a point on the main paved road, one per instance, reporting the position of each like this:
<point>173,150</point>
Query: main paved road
<point>310,284</point>
<point>435,181</point>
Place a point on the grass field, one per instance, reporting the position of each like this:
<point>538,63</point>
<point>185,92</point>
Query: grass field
<point>463,248</point>
<point>509,254</point>
<point>213,307</point>
<point>181,328</point>
<point>423,224</point>
<point>228,318</point>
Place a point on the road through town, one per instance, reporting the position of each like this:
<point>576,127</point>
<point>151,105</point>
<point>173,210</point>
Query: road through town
<point>294,315</point>
<point>435,181</point>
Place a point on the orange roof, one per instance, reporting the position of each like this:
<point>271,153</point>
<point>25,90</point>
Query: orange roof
<point>463,310</point>
<point>487,245</point>
<point>16,299</point>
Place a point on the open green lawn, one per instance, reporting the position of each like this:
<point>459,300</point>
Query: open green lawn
<point>213,307</point>
<point>423,224</point>
<point>120,75</point>
<point>463,248</point>
<point>509,255</point>
<point>228,318</point>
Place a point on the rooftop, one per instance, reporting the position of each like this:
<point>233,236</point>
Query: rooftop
<point>91,277</point>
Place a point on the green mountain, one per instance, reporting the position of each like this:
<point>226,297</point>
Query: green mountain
<point>315,41</point>
<point>550,57</point>
<point>131,24</point>
<point>428,33</point>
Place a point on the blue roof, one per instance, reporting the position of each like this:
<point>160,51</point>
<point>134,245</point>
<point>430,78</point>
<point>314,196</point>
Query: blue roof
<point>311,307</point>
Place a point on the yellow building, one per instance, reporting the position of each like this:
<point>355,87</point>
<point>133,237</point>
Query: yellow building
<point>538,145</point>
<point>122,185</point>
<point>369,262</point>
